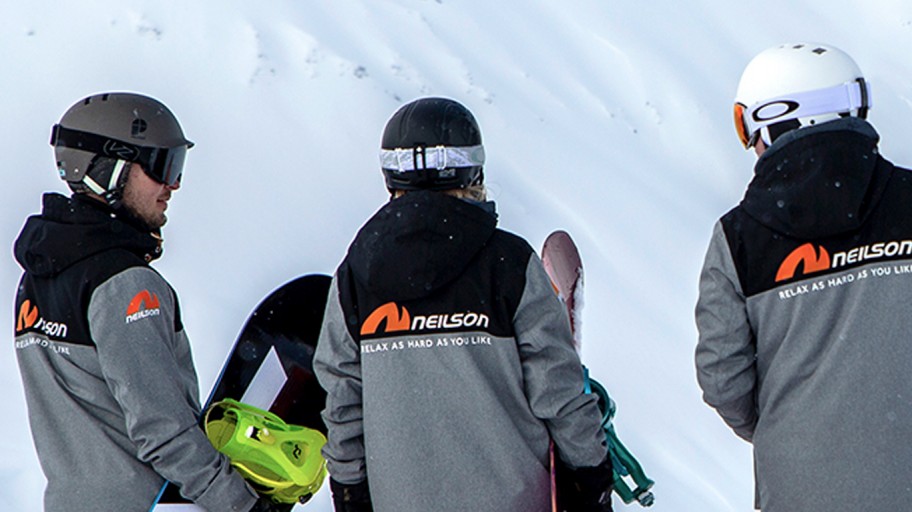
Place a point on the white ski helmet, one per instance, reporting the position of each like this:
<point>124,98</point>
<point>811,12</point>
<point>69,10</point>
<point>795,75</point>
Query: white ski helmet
<point>797,85</point>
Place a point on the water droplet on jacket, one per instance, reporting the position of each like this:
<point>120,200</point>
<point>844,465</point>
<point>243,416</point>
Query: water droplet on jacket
<point>780,203</point>
<point>838,184</point>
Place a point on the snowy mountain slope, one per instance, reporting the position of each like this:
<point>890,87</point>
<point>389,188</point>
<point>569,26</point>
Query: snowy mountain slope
<point>610,120</point>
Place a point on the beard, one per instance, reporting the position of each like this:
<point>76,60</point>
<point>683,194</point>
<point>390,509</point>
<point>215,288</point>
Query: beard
<point>142,198</point>
<point>151,222</point>
<point>138,209</point>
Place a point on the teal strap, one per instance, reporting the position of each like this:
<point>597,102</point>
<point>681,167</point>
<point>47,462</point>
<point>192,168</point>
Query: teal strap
<point>625,464</point>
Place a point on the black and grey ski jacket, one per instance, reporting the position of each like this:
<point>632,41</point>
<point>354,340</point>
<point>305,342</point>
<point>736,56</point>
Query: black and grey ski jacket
<point>804,325</point>
<point>110,384</point>
<point>448,364</point>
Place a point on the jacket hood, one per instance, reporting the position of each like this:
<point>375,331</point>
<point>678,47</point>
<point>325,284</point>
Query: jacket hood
<point>418,243</point>
<point>68,230</point>
<point>818,181</point>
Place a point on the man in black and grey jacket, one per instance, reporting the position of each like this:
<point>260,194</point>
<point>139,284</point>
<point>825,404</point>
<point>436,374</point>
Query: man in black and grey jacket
<point>109,380</point>
<point>445,351</point>
<point>803,315</point>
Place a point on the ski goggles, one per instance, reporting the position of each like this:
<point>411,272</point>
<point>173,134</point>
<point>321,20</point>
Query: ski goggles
<point>165,165</point>
<point>840,98</point>
<point>435,157</point>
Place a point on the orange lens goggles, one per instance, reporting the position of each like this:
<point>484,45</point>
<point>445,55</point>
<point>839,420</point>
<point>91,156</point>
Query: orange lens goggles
<point>741,126</point>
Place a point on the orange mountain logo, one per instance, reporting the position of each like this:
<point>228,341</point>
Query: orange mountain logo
<point>143,304</point>
<point>396,319</point>
<point>28,316</point>
<point>810,258</point>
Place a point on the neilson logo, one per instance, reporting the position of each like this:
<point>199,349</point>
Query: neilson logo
<point>810,258</point>
<point>396,320</point>
<point>28,316</point>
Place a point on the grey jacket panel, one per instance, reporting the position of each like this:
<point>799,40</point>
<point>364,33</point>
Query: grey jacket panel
<point>835,395</point>
<point>337,365</point>
<point>551,373</point>
<point>726,350</point>
<point>490,401</point>
<point>127,408</point>
<point>822,388</point>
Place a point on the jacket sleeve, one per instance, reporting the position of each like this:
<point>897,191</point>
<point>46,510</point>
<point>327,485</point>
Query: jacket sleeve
<point>726,349</point>
<point>148,367</point>
<point>337,365</point>
<point>553,374</point>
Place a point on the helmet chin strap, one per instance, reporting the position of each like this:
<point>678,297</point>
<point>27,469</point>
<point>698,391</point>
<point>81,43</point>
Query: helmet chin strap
<point>770,133</point>
<point>765,136</point>
<point>113,193</point>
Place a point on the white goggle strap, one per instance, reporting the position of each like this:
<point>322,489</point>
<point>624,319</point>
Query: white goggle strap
<point>435,157</point>
<point>841,98</point>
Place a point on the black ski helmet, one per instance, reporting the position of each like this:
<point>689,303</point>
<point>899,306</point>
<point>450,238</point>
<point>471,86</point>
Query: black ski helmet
<point>432,144</point>
<point>99,136</point>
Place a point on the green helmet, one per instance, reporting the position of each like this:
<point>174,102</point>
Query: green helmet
<point>279,460</point>
<point>98,136</point>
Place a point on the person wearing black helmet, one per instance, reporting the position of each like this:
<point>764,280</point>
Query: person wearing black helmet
<point>109,380</point>
<point>444,348</point>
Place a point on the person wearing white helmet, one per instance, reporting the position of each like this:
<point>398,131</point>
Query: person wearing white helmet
<point>112,393</point>
<point>802,315</point>
<point>797,85</point>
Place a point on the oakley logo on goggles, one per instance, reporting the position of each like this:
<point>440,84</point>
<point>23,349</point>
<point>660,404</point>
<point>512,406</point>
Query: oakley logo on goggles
<point>163,165</point>
<point>841,98</point>
<point>436,157</point>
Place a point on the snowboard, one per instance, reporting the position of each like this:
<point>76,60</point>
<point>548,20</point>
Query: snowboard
<point>564,266</point>
<point>270,365</point>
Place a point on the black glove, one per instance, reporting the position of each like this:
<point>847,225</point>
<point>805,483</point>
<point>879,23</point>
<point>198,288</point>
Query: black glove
<point>586,489</point>
<point>351,498</point>
<point>266,505</point>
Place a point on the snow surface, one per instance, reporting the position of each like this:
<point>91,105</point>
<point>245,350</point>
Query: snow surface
<point>611,120</point>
